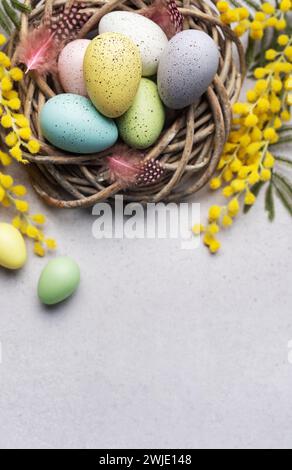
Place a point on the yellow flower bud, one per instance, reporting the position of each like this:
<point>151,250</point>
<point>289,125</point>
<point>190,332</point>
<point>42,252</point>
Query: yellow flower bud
<point>233,207</point>
<point>213,228</point>
<point>265,175</point>
<point>251,120</point>
<point>270,134</point>
<point>281,24</point>
<point>16,74</point>
<point>19,190</point>
<point>249,199</point>
<point>6,84</point>
<point>16,153</point>
<point>51,243</point>
<point>227,191</point>
<point>214,246</point>
<point>14,104</point>
<point>285,5</point>
<point>222,6</point>
<point>21,206</point>
<point>227,221</point>
<point>253,178</point>
<point>6,181</point>
<point>269,161</point>
<point>268,8</point>
<point>6,121</point>
<point>214,213</point>
<point>215,183</point>
<point>11,139</point>
<point>33,146</point>
<point>39,249</point>
<point>25,133</point>
<point>5,159</point>
<point>283,39</point>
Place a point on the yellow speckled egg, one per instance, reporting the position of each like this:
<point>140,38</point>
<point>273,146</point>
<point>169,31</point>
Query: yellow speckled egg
<point>112,72</point>
<point>12,247</point>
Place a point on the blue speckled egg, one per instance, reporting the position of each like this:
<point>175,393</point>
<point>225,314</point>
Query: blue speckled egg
<point>71,122</point>
<point>186,68</point>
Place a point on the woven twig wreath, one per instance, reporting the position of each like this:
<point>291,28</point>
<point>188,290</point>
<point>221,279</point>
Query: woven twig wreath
<point>188,149</point>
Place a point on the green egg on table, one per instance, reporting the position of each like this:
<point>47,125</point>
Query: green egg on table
<point>58,281</point>
<point>142,124</point>
<point>12,247</point>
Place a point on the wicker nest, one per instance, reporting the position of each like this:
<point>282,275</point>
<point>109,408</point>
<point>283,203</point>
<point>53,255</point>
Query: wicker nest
<point>190,145</point>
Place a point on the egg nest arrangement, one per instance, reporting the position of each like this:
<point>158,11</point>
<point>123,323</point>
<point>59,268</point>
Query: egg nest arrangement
<point>136,102</point>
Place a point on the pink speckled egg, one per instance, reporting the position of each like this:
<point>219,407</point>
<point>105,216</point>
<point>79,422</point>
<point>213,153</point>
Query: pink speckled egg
<point>70,66</point>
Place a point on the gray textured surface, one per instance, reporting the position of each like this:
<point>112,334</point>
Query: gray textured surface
<point>160,347</point>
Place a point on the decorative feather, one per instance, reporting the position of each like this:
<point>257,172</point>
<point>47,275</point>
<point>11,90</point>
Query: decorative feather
<point>38,50</point>
<point>124,166</point>
<point>68,23</point>
<point>166,14</point>
<point>127,168</point>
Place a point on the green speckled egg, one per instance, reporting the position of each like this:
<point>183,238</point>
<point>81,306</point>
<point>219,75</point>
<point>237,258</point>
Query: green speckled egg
<point>142,124</point>
<point>112,71</point>
<point>58,281</point>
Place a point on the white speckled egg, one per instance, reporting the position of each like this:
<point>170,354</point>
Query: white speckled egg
<point>147,35</point>
<point>70,67</point>
<point>187,67</point>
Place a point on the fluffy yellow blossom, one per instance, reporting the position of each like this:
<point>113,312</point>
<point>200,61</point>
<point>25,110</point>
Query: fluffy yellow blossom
<point>214,213</point>
<point>215,183</point>
<point>249,199</point>
<point>16,74</point>
<point>233,207</point>
<point>268,8</point>
<point>17,135</point>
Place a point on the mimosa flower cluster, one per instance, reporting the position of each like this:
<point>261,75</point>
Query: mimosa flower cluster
<point>16,136</point>
<point>248,160</point>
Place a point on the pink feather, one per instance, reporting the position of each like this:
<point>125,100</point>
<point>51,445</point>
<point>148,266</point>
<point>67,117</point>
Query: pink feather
<point>124,166</point>
<point>166,14</point>
<point>38,50</point>
<point>127,168</point>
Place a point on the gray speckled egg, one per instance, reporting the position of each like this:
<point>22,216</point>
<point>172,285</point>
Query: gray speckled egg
<point>71,122</point>
<point>187,66</point>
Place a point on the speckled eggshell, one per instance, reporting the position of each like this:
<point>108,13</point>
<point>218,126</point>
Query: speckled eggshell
<point>70,67</point>
<point>71,122</point>
<point>142,124</point>
<point>187,67</point>
<point>112,71</point>
<point>147,35</point>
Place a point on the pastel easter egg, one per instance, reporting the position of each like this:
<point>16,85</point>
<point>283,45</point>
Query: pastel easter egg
<point>147,35</point>
<point>70,66</point>
<point>71,122</point>
<point>12,247</point>
<point>142,124</point>
<point>112,70</point>
<point>187,67</point>
<point>58,281</point>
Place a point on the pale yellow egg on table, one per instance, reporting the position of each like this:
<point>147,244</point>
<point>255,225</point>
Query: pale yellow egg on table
<point>112,72</point>
<point>12,247</point>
